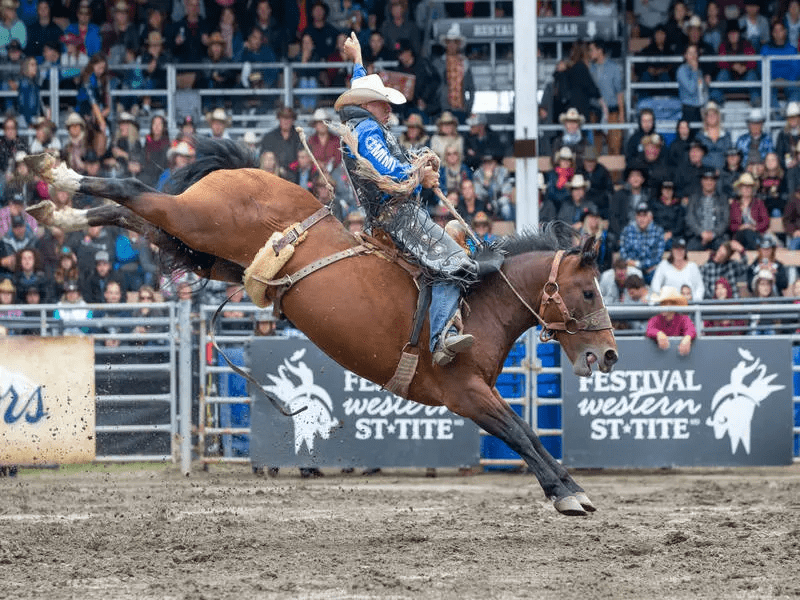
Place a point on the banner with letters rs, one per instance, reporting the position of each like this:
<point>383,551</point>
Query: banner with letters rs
<point>47,409</point>
<point>729,402</point>
<point>348,421</point>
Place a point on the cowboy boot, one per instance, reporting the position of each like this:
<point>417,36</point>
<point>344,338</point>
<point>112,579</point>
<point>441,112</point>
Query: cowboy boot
<point>450,345</point>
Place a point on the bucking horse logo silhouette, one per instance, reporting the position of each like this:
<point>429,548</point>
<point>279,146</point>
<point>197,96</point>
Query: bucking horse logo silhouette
<point>733,405</point>
<point>295,387</point>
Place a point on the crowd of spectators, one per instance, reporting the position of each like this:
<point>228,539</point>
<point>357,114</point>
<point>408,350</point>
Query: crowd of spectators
<point>704,190</point>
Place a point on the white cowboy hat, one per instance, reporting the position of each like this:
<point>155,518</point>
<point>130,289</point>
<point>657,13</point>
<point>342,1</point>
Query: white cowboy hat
<point>565,153</point>
<point>793,109</point>
<point>74,119</point>
<point>578,181</point>
<point>249,137</point>
<point>453,34</point>
<point>671,296</point>
<point>572,114</point>
<point>218,114</point>
<point>745,179</point>
<point>180,149</point>
<point>319,115</point>
<point>366,89</point>
<point>542,184</point>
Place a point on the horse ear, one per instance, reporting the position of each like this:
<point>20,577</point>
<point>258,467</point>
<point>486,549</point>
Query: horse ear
<point>589,252</point>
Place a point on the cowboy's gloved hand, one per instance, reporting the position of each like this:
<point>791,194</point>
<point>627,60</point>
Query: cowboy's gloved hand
<point>430,178</point>
<point>352,48</point>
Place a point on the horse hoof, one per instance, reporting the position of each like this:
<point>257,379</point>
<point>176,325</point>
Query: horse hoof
<point>584,501</point>
<point>569,506</point>
<point>42,211</point>
<point>42,165</point>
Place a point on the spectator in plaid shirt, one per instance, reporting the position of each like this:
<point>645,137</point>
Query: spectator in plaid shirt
<point>643,242</point>
<point>723,264</point>
<point>755,138</point>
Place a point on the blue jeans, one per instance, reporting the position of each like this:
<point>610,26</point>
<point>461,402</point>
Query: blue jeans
<point>751,76</point>
<point>444,303</point>
<point>793,243</point>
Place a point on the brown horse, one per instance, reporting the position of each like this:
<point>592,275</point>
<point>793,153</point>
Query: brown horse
<point>359,310</point>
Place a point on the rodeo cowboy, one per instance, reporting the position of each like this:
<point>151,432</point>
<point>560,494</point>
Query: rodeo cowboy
<point>365,110</point>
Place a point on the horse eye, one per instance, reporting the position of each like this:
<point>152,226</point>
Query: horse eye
<point>588,295</point>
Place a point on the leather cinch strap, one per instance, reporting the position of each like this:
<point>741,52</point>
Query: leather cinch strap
<point>293,235</point>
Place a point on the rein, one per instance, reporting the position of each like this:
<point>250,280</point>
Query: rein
<point>594,321</point>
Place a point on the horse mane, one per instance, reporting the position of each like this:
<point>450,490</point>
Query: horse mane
<point>552,236</point>
<point>212,155</point>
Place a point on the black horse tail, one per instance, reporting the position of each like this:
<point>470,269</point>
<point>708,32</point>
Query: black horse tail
<point>212,155</point>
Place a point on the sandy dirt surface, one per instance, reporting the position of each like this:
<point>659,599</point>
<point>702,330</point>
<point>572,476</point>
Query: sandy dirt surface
<point>142,532</point>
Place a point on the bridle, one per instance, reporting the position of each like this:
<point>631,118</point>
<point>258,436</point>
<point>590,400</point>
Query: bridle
<point>594,321</point>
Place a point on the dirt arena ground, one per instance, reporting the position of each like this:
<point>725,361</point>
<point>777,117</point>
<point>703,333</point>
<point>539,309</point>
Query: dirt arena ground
<point>144,531</point>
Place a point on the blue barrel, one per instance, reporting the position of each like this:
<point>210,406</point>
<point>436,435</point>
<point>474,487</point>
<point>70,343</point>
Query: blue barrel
<point>511,385</point>
<point>553,445</point>
<point>492,447</point>
<point>796,378</point>
<point>514,358</point>
<point>549,416</point>
<point>548,385</point>
<point>797,444</point>
<point>549,355</point>
<point>796,355</point>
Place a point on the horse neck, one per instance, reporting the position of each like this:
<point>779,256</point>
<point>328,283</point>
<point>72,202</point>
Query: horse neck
<point>503,312</point>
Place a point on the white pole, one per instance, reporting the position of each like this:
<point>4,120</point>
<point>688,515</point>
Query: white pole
<point>526,113</point>
<point>185,383</point>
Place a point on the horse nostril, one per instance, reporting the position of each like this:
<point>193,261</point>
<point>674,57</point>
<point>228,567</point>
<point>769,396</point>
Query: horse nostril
<point>611,357</point>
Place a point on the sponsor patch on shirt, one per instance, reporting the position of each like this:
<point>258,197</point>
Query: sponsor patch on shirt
<point>380,153</point>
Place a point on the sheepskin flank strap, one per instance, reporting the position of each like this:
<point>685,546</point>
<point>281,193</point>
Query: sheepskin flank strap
<point>264,267</point>
<point>403,375</point>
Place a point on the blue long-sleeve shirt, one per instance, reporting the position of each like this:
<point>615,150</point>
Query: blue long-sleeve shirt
<point>690,90</point>
<point>373,147</point>
<point>783,69</point>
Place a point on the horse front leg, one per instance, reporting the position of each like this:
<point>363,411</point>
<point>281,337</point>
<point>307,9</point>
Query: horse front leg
<point>497,418</point>
<point>559,469</point>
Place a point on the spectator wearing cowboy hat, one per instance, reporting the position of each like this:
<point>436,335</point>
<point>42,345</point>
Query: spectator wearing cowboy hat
<point>756,139</point>
<point>687,176</point>
<point>414,137</point>
<point>749,218</point>
<point>213,76</point>
<point>557,180</point>
<point>495,186</point>
<point>283,140</point>
<point>669,212</point>
<point>654,159</point>
<point>572,212</point>
<point>766,261</point>
<point>789,136</point>
<point>447,135</point>
<point>155,59</point>
<point>622,209</point>
<point>592,227</point>
<point>571,136</point>
<point>179,155</point>
<point>669,324</point>
<point>458,85</point>
<point>730,172</point>
<point>707,215</point>
<point>601,186</point>
<point>10,144</point>
<point>325,146</point>
<point>219,121</point>
<point>44,137</point>
<point>642,242</point>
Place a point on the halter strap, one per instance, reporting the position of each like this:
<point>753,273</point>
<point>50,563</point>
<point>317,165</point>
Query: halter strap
<point>593,321</point>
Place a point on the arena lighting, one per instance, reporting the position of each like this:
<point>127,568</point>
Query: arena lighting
<point>526,114</point>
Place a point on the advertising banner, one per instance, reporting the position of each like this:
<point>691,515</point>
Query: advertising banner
<point>348,420</point>
<point>729,402</point>
<point>47,411</point>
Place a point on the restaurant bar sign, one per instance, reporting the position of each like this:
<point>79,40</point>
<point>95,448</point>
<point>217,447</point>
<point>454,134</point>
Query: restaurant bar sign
<point>348,421</point>
<point>729,402</point>
<point>549,29</point>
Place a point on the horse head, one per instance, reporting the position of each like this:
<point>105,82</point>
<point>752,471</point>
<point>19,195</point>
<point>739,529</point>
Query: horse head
<point>572,308</point>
